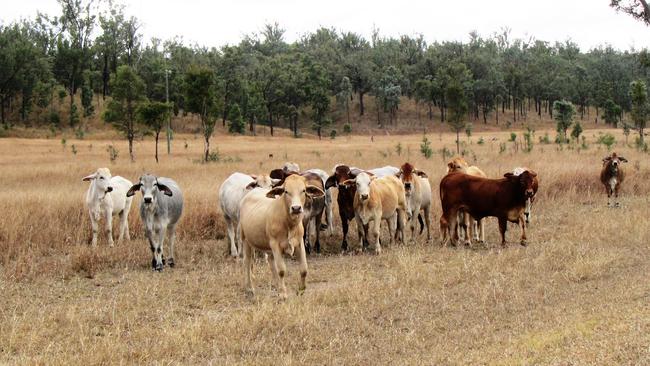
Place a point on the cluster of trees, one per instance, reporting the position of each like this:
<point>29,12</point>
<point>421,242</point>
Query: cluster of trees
<point>94,49</point>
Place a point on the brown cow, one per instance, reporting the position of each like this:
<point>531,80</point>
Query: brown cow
<point>612,176</point>
<point>345,197</point>
<point>458,164</point>
<point>503,198</point>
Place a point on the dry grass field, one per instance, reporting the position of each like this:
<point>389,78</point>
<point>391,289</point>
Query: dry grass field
<point>578,294</point>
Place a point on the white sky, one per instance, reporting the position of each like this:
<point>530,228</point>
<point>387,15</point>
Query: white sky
<point>214,23</point>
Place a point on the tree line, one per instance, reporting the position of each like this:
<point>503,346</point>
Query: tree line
<point>93,49</point>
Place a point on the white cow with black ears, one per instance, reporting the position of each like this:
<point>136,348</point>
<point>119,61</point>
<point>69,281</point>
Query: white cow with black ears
<point>106,197</point>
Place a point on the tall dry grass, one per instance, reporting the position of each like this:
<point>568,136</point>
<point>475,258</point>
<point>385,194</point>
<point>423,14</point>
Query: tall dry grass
<point>577,294</point>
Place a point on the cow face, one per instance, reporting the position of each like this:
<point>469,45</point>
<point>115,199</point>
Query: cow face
<point>526,181</point>
<point>101,179</point>
<point>294,192</point>
<point>406,175</point>
<point>362,185</point>
<point>613,162</point>
<point>457,164</point>
<point>149,187</point>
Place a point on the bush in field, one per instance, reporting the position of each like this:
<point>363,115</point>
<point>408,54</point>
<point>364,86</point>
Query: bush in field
<point>563,112</point>
<point>425,147</point>
<point>607,139</point>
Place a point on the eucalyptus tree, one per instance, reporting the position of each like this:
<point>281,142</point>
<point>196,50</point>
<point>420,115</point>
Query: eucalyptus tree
<point>640,107</point>
<point>201,97</point>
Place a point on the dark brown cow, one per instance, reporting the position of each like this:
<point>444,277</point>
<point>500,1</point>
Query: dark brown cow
<point>345,197</point>
<point>612,176</point>
<point>314,206</point>
<point>503,198</point>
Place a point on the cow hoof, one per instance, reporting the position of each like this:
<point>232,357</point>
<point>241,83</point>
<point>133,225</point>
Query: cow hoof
<point>523,243</point>
<point>164,261</point>
<point>250,293</point>
<point>300,292</point>
<point>171,263</point>
<point>158,267</point>
<point>308,248</point>
<point>617,205</point>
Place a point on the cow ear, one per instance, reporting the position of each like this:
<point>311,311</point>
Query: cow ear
<point>606,159</point>
<point>277,174</point>
<point>254,177</point>
<point>532,173</point>
<point>622,159</point>
<point>133,189</point>
<point>330,182</point>
<point>349,182</point>
<point>275,192</point>
<point>421,173</point>
<point>90,177</point>
<point>251,185</point>
<point>314,191</point>
<point>509,175</point>
<point>164,189</point>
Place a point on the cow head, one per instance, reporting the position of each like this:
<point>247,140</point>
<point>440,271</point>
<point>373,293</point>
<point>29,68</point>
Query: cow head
<point>526,181</point>
<point>262,181</point>
<point>294,192</point>
<point>407,174</point>
<point>362,184</point>
<point>149,186</point>
<point>101,179</point>
<point>613,162</point>
<point>341,174</point>
<point>457,164</point>
<point>529,200</point>
<point>279,175</point>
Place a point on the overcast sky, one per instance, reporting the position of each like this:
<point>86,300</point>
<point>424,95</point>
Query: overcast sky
<point>214,23</point>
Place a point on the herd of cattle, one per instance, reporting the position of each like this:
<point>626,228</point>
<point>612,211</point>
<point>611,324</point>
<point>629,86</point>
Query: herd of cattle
<point>276,213</point>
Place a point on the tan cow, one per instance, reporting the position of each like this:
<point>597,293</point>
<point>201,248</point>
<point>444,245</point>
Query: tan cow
<point>271,221</point>
<point>458,164</point>
<point>376,199</point>
<point>418,194</point>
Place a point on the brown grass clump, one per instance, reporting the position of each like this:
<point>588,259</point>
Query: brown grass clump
<point>578,294</point>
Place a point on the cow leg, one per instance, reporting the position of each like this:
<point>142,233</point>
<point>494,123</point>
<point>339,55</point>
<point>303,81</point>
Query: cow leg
<point>248,267</point>
<point>274,271</point>
<point>427,221</point>
<point>230,233</point>
<point>361,230</point>
<point>302,257</point>
<point>401,223</point>
<point>95,227</point>
<point>329,219</point>
<point>281,266</point>
<point>305,236</point>
<point>123,225</point>
<point>467,225</point>
<point>481,228</point>
<point>109,227</point>
<point>453,224</point>
<point>617,203</point>
<point>376,226</point>
<point>344,224</point>
<point>503,225</point>
<point>392,229</point>
<point>318,219</point>
<point>444,230</point>
<point>609,196</point>
<point>522,223</point>
<point>170,251</point>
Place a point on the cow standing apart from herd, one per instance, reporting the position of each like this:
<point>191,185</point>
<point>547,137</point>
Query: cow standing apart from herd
<point>274,213</point>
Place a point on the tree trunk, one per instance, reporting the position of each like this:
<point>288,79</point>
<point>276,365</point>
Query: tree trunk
<point>271,122</point>
<point>596,114</point>
<point>430,111</point>
<point>361,107</point>
<point>347,109</point>
<point>319,136</point>
<point>157,134</point>
<point>130,138</point>
<point>105,76</point>
<point>457,141</point>
<point>497,113</point>
<point>2,109</point>
<point>514,109</point>
<point>206,148</point>
<point>641,136</point>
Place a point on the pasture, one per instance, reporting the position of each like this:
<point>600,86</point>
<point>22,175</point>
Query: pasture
<point>577,294</point>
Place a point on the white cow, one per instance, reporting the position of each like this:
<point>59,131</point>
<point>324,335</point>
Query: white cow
<point>106,197</point>
<point>231,192</point>
<point>384,171</point>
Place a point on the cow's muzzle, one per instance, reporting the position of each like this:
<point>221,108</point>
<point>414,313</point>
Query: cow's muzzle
<point>364,197</point>
<point>148,200</point>
<point>296,210</point>
<point>529,193</point>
